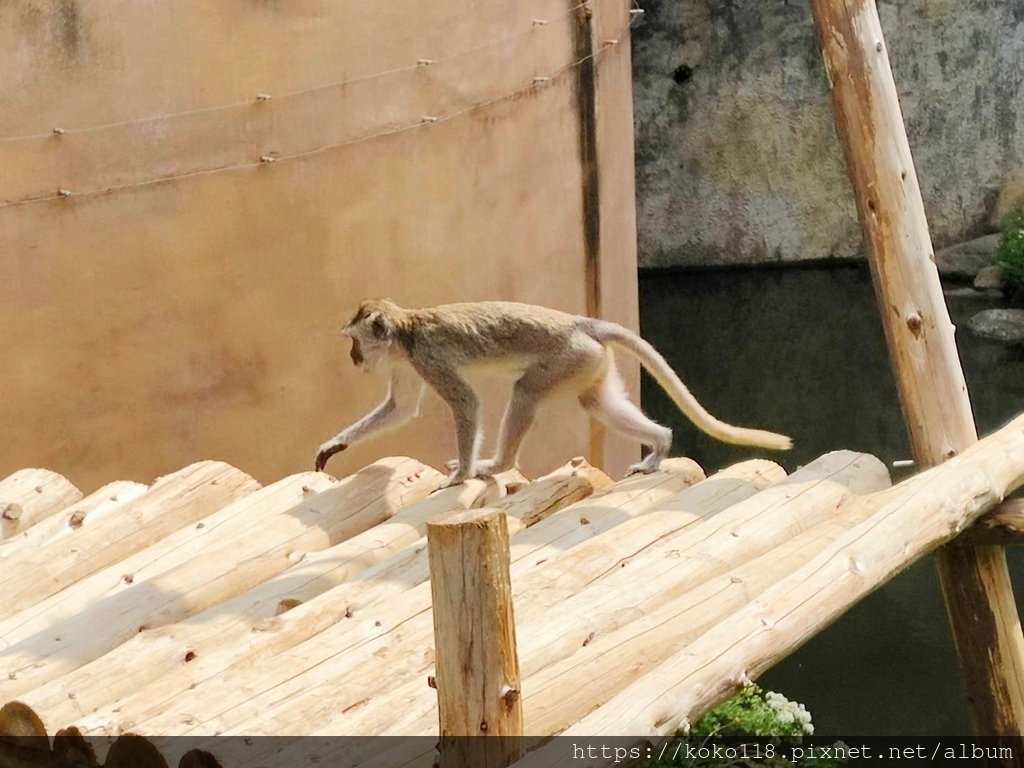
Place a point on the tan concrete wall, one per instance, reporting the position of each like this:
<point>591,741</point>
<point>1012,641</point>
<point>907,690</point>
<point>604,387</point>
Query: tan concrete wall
<point>155,324</point>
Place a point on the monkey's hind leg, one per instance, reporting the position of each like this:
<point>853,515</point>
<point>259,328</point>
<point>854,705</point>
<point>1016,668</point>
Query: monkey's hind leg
<point>569,370</point>
<point>607,401</point>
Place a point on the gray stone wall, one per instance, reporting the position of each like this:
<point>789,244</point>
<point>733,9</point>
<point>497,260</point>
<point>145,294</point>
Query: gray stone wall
<point>737,156</point>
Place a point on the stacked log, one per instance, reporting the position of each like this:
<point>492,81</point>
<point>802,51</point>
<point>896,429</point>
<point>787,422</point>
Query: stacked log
<point>66,520</point>
<point>214,638</point>
<point>174,501</point>
<point>31,495</point>
<point>636,606</point>
<point>352,655</point>
<point>889,530</point>
<point>671,549</point>
<point>195,567</point>
<point>185,695</point>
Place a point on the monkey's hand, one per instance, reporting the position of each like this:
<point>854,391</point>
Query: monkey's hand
<point>327,450</point>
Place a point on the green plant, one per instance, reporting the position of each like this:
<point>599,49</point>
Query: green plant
<point>1010,255</point>
<point>753,713</point>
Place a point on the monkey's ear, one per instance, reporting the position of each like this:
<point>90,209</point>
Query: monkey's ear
<point>381,326</point>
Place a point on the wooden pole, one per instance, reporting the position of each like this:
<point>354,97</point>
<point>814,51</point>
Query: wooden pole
<point>929,378</point>
<point>477,676</point>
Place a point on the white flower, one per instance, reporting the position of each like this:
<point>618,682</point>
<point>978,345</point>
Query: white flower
<point>789,711</point>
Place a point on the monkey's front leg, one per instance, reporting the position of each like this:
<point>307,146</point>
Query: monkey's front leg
<point>454,390</point>
<point>401,404</point>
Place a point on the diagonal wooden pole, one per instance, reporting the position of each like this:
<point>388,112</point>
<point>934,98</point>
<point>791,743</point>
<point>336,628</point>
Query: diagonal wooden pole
<point>933,394</point>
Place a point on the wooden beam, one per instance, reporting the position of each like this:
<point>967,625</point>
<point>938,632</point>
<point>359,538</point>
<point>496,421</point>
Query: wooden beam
<point>478,688</point>
<point>929,378</point>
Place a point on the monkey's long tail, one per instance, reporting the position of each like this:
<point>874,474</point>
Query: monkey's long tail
<point>622,338</point>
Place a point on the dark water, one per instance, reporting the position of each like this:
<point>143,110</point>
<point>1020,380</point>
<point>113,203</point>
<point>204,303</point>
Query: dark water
<point>801,351</point>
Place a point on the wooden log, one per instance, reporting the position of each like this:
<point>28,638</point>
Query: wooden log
<point>477,679</point>
<point>31,495</point>
<point>550,600</point>
<point>557,695</point>
<point>66,521</point>
<point>703,533</point>
<point>174,501</point>
<point>190,570</point>
<point>919,334</point>
<point>230,552</point>
<point>341,618</point>
<point>220,634</point>
<point>903,524</point>
<point>377,707</point>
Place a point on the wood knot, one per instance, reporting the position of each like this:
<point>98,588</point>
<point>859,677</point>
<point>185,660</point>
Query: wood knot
<point>431,682</point>
<point>11,511</point>
<point>286,604</point>
<point>510,696</point>
<point>189,656</point>
<point>915,323</point>
<point>483,726</point>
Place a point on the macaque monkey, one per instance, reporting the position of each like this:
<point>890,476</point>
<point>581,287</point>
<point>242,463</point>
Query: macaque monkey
<point>549,351</point>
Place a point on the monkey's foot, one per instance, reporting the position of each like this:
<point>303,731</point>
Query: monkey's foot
<point>484,467</point>
<point>491,467</point>
<point>458,478</point>
<point>645,467</point>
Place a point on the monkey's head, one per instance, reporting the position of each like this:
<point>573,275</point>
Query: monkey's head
<point>372,330</point>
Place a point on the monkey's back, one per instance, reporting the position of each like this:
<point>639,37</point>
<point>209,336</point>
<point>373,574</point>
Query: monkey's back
<point>488,330</point>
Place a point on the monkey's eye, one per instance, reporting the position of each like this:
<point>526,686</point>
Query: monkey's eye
<point>380,328</point>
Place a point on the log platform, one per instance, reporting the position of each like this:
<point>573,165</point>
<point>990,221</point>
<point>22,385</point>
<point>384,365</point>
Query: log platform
<point>206,605</point>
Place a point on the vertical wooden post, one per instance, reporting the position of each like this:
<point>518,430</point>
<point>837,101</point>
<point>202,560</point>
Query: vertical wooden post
<point>931,384</point>
<point>477,676</point>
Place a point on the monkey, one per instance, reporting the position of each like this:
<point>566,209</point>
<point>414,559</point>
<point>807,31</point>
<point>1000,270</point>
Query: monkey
<point>549,352</point>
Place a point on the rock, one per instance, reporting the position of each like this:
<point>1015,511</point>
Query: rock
<point>1011,199</point>
<point>1005,325</point>
<point>990,277</point>
<point>964,260</point>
